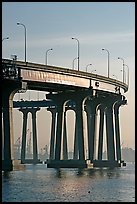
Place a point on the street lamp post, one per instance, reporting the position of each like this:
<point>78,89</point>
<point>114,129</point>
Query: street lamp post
<point>78,50</point>
<point>73,62</point>
<point>5,39</point>
<point>25,37</point>
<point>87,66</point>
<point>128,73</point>
<point>46,59</point>
<point>108,60</point>
<point>123,67</point>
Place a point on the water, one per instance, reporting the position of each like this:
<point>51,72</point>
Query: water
<point>37,183</point>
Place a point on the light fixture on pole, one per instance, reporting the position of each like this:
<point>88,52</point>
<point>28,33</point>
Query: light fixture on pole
<point>25,37</point>
<point>46,59</point>
<point>123,67</point>
<point>108,59</point>
<point>87,66</point>
<point>78,50</point>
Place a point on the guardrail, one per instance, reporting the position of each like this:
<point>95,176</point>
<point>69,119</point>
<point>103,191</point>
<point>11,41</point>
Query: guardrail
<point>12,69</point>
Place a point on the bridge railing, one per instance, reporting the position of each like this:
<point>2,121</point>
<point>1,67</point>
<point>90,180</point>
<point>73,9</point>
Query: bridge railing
<point>12,69</point>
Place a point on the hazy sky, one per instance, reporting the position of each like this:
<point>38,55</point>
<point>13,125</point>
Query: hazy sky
<point>97,25</point>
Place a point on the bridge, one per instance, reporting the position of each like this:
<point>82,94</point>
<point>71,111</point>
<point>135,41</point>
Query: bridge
<point>67,88</point>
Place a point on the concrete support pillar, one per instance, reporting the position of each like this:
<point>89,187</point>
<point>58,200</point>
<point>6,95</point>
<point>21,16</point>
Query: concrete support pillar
<point>91,112</point>
<point>25,112</point>
<point>24,132</point>
<point>8,90</point>
<point>52,138</point>
<point>117,131</point>
<point>59,131</point>
<point>52,141</point>
<point>101,128</point>
<point>76,150</point>
<point>110,133</point>
<point>79,128</point>
<point>60,100</point>
<point>35,147</point>
<point>80,98</point>
<point>8,138</point>
<point>65,146</point>
<point>117,127</point>
<point>91,134</point>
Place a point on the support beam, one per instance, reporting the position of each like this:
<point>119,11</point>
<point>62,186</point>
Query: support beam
<point>25,112</point>
<point>35,146</point>
<point>65,146</point>
<point>101,128</point>
<point>8,90</point>
<point>24,132</point>
<point>53,127</point>
<point>110,133</point>
<point>80,132</point>
<point>76,150</point>
<point>59,131</point>
<point>90,108</point>
<point>117,127</point>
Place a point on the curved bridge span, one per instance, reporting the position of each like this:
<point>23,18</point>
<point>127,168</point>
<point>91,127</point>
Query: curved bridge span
<point>89,92</point>
<point>43,77</point>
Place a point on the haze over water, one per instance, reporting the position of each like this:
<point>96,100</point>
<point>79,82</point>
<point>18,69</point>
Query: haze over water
<point>37,183</point>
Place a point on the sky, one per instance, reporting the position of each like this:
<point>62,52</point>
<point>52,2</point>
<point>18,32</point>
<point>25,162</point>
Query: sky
<point>97,25</point>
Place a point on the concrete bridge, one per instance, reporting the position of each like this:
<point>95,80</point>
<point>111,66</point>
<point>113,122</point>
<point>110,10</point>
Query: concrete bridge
<point>88,92</point>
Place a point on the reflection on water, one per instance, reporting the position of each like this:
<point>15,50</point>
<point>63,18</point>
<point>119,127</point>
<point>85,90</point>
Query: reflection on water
<point>36,183</point>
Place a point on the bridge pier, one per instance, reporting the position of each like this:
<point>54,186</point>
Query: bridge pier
<point>52,138</point>
<point>91,111</point>
<point>106,107</point>
<point>60,100</point>
<point>101,128</point>
<point>8,91</point>
<point>76,149</point>
<point>122,101</point>
<point>25,112</point>
<point>110,133</point>
<point>65,146</point>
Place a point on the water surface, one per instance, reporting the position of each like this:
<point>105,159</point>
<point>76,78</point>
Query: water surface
<point>37,183</point>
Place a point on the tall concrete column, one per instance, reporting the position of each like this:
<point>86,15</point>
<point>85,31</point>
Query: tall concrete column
<point>60,100</point>
<point>91,134</point>
<point>80,97</point>
<point>8,90</point>
<point>101,127</point>
<point>35,151</point>
<point>110,133</point>
<point>24,132</point>
<point>90,108</point>
<point>59,131</point>
<point>80,132</point>
<point>117,127</point>
<point>76,150</point>
<point>8,138</point>
<point>52,138</point>
<point>65,146</point>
